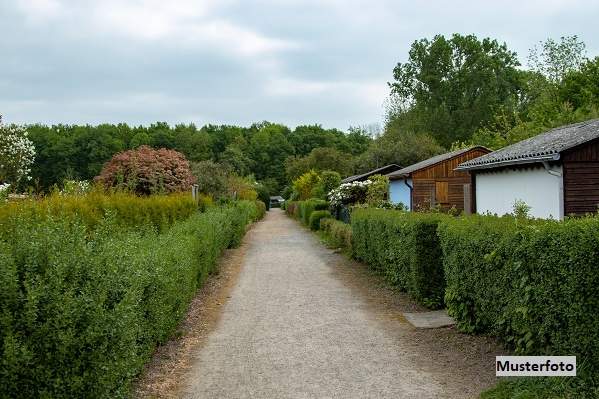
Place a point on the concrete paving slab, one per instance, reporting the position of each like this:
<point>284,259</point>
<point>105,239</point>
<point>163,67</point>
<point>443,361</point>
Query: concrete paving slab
<point>433,319</point>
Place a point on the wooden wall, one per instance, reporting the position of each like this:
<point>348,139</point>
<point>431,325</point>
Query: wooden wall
<point>426,187</point>
<point>581,179</point>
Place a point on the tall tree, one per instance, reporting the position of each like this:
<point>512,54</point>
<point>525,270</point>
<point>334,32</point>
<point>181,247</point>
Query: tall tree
<point>449,87</point>
<point>555,58</point>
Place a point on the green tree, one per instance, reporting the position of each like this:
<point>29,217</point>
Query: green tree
<point>555,58</point>
<point>211,178</point>
<point>450,87</point>
<point>141,138</point>
<point>319,159</point>
<point>329,180</point>
<point>398,147</point>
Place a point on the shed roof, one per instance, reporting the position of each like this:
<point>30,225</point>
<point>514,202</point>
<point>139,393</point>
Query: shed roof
<point>379,171</point>
<point>430,162</point>
<point>545,147</point>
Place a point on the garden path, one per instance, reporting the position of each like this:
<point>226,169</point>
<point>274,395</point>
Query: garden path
<point>297,325</point>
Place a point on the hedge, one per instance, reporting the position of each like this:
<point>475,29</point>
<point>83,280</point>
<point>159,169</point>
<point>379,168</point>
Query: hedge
<point>81,311</point>
<point>307,207</point>
<point>161,211</point>
<point>404,246</point>
<point>316,217</point>
<point>338,233</point>
<point>533,284</point>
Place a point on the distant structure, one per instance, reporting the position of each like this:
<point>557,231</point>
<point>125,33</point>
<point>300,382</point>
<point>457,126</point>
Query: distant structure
<point>380,171</point>
<point>434,182</point>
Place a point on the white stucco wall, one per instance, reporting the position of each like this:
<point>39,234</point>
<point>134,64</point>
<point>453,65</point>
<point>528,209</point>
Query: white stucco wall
<point>496,192</point>
<point>399,192</point>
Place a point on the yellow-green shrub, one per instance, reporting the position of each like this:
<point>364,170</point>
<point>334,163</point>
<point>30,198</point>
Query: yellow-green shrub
<point>160,211</point>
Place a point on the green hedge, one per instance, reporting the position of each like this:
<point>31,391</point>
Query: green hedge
<point>533,284</point>
<point>81,311</point>
<point>405,247</point>
<point>316,217</point>
<point>338,233</point>
<point>307,207</point>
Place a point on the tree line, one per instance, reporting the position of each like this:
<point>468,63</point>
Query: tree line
<point>451,92</point>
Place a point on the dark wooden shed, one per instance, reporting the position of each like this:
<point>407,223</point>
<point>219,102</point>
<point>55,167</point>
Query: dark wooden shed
<point>434,182</point>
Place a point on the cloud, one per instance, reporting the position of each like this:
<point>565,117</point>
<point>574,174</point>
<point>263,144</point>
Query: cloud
<point>234,61</point>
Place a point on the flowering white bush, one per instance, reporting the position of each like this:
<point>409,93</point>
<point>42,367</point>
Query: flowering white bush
<point>75,187</point>
<point>17,154</point>
<point>349,193</point>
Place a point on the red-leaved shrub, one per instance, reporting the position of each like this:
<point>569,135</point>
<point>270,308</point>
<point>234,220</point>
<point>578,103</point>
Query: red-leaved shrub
<point>148,171</point>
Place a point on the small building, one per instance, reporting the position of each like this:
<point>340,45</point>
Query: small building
<point>434,182</point>
<point>379,171</point>
<point>555,173</point>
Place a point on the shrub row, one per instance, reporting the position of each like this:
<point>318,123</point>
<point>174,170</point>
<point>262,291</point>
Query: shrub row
<point>316,217</point>
<point>404,247</point>
<point>302,210</point>
<point>161,211</point>
<point>307,207</point>
<point>81,311</point>
<point>531,283</point>
<point>338,233</point>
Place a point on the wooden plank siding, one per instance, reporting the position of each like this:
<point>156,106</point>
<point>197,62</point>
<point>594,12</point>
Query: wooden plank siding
<point>581,179</point>
<point>425,181</point>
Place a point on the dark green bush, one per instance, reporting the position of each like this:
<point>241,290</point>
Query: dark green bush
<point>316,217</point>
<point>531,283</point>
<point>404,246</point>
<point>338,233</point>
<point>81,311</point>
<point>307,207</point>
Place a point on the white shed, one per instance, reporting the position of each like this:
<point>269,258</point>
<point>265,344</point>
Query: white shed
<point>555,173</point>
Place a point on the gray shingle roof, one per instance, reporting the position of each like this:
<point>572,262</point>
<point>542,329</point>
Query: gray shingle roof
<point>430,162</point>
<point>382,170</point>
<point>544,147</point>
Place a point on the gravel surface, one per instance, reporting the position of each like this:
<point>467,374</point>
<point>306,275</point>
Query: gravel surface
<point>305,322</point>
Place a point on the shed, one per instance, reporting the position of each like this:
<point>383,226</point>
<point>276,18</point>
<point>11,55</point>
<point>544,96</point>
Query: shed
<point>435,182</point>
<point>555,173</point>
<point>379,171</point>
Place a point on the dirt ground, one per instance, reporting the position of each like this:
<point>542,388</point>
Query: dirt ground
<point>289,318</point>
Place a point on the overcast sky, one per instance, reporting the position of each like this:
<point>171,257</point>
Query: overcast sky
<point>224,61</point>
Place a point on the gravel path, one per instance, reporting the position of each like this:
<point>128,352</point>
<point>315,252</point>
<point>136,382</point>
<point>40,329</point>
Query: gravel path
<point>293,328</point>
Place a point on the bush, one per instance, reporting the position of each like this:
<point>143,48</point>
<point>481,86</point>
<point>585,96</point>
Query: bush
<point>148,171</point>
<point>316,217</point>
<point>211,178</point>
<point>404,247</point>
<point>532,283</point>
<point>307,207</point>
<point>338,233</point>
<point>81,312</point>
<point>160,211</point>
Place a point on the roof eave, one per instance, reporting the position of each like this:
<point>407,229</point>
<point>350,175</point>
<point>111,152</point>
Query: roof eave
<point>511,162</point>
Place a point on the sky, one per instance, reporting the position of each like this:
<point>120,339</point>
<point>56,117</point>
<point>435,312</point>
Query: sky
<point>238,62</point>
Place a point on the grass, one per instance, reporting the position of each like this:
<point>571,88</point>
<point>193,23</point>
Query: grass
<point>544,388</point>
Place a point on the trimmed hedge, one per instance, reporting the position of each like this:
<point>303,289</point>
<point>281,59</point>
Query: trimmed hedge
<point>404,246</point>
<point>338,233</point>
<point>81,311</point>
<point>533,284</point>
<point>307,207</point>
<point>316,217</point>
<point>161,211</point>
